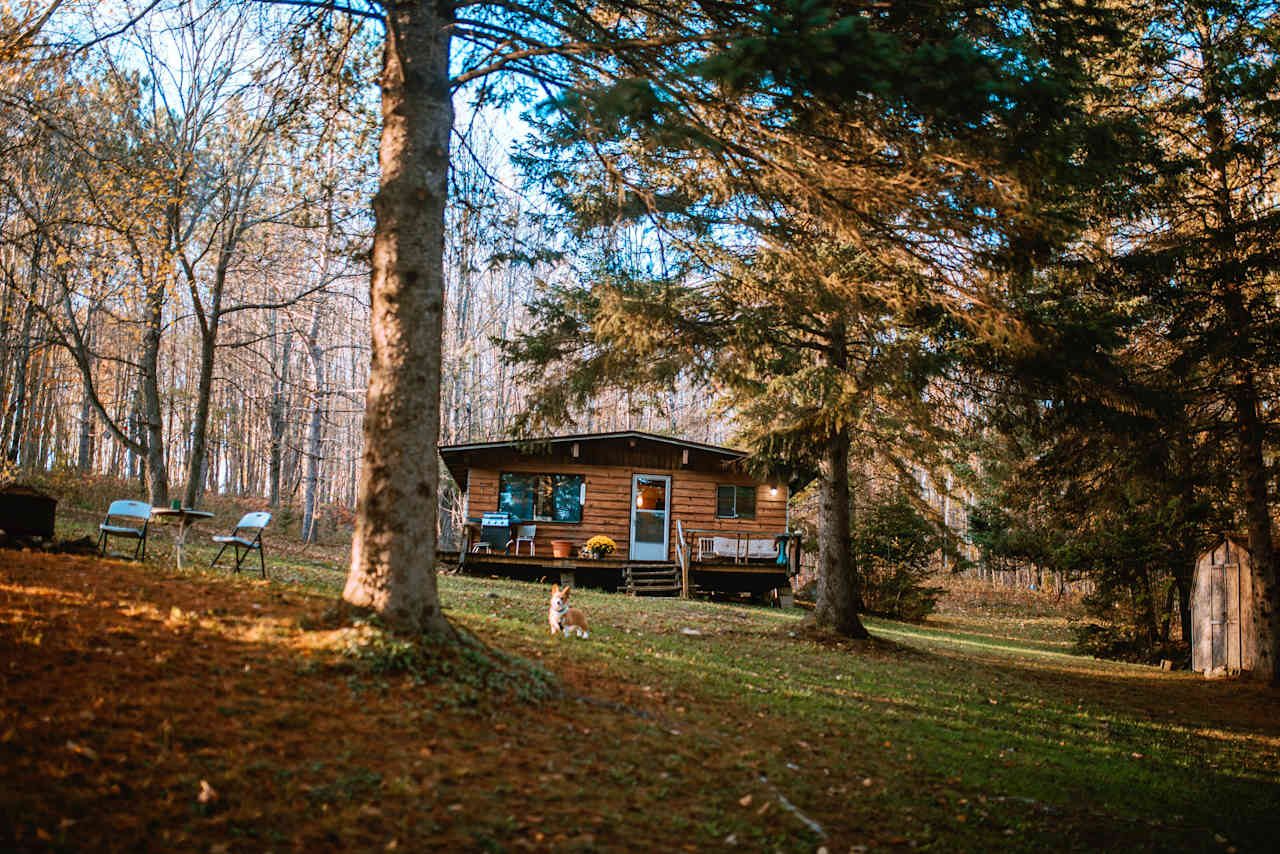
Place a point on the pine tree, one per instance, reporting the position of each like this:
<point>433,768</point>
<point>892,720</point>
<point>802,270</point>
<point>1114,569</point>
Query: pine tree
<point>832,201</point>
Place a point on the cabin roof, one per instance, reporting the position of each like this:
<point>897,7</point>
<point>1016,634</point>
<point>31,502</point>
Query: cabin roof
<point>457,457</point>
<point>728,453</point>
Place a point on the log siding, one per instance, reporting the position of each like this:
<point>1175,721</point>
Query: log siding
<point>607,509</point>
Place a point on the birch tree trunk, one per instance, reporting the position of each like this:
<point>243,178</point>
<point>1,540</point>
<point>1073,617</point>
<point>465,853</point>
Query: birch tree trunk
<point>393,551</point>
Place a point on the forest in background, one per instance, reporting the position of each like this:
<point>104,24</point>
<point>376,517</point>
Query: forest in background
<point>165,193</point>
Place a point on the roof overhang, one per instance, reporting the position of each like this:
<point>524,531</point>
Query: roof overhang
<point>454,455</point>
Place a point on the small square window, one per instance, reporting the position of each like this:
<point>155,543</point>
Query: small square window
<point>735,502</point>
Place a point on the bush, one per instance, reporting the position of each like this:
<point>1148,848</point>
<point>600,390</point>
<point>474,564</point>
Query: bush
<point>893,547</point>
<point>898,591</point>
<point>1123,642</point>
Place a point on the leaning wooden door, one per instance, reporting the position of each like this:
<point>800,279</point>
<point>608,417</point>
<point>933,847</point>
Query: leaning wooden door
<point>1218,621</point>
<point>650,509</point>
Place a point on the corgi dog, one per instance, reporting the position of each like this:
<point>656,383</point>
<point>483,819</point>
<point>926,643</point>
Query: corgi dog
<point>562,618</point>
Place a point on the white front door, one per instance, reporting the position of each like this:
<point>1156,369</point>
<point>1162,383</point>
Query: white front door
<point>650,507</point>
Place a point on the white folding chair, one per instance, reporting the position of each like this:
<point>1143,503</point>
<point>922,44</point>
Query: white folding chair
<point>118,514</point>
<point>242,545</point>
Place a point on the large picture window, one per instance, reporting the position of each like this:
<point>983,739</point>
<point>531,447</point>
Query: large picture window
<point>735,502</point>
<point>541,497</point>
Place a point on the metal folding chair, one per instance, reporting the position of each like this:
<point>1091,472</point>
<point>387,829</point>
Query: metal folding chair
<point>242,545</point>
<point>114,525</point>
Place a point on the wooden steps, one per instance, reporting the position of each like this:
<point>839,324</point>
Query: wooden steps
<point>651,579</point>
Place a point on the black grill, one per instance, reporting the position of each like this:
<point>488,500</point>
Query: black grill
<point>495,529</point>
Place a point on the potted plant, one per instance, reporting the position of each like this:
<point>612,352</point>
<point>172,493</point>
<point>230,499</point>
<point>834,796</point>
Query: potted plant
<point>600,546</point>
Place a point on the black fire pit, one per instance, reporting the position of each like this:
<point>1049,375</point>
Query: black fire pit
<point>26,512</point>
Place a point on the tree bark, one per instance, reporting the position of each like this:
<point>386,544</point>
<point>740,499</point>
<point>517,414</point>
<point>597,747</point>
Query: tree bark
<point>208,324</point>
<point>393,551</point>
<point>277,421</point>
<point>316,431</point>
<point>199,451</point>
<point>16,423</point>
<point>837,596</point>
<point>84,442</point>
<point>1253,469</point>
<point>838,602</point>
<point>152,412</point>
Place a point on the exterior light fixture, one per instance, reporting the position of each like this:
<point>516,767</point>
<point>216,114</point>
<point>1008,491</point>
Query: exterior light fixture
<point>773,491</point>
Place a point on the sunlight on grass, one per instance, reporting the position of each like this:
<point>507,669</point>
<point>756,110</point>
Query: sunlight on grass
<point>941,636</point>
<point>931,720</point>
<point>1004,731</point>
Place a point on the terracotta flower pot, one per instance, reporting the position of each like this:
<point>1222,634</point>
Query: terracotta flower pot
<point>561,548</point>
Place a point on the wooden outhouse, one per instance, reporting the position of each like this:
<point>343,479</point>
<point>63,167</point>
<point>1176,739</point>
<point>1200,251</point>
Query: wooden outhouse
<point>1222,633</point>
<point>668,504</point>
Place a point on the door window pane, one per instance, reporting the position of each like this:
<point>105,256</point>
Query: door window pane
<point>650,527</point>
<point>651,494</point>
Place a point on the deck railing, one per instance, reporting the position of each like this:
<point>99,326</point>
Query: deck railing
<point>740,552</point>
<point>682,558</point>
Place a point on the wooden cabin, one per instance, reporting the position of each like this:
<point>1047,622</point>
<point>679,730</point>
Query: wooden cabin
<point>1223,639</point>
<point>669,504</point>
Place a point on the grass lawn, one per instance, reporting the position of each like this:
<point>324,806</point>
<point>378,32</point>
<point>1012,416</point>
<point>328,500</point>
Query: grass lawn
<point>144,709</point>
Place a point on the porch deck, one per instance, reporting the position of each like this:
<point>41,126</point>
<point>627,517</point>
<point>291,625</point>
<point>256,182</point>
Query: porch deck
<point>622,574</point>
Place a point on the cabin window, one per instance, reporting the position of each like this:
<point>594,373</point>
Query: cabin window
<point>735,502</point>
<point>541,497</point>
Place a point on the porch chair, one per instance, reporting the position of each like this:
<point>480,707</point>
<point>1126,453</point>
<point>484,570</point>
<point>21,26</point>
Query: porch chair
<point>121,520</point>
<point>242,545</point>
<point>524,534</point>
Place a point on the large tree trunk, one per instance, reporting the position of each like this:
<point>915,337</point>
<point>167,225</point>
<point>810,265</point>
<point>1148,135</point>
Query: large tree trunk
<point>838,598</point>
<point>1253,469</point>
<point>393,552</point>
